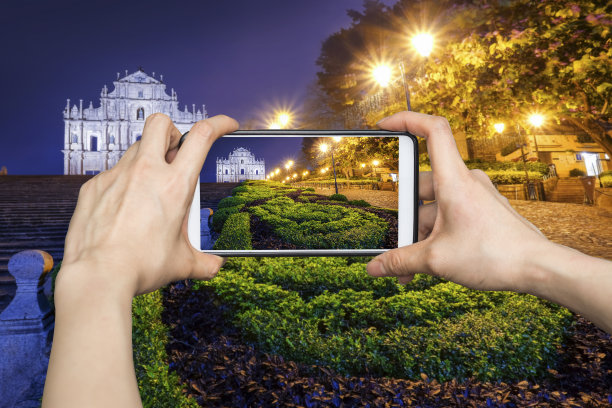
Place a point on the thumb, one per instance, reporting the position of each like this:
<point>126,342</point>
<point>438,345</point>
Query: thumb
<point>401,262</point>
<point>206,265</point>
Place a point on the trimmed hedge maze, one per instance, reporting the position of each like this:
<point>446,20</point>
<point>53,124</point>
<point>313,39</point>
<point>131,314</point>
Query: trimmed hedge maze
<point>328,311</point>
<point>299,218</point>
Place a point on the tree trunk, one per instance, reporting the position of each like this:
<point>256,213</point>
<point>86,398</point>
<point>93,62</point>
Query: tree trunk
<point>601,138</point>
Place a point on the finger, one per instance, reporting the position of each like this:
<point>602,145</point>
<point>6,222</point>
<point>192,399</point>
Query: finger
<point>403,280</point>
<point>206,266</point>
<point>404,261</point>
<point>441,146</point>
<point>426,190</point>
<point>190,158</point>
<point>158,136</point>
<point>129,155</point>
<point>427,219</point>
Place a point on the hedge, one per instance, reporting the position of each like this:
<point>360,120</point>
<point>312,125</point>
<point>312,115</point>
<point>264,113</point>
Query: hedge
<point>330,312</point>
<point>158,387</point>
<point>313,225</point>
<point>236,233</point>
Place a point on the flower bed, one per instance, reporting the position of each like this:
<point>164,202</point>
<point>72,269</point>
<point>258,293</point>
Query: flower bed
<point>329,312</point>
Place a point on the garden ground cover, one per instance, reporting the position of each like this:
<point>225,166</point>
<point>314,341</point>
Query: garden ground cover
<point>219,369</point>
<point>270,215</point>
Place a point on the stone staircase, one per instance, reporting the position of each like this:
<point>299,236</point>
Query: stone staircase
<point>35,212</point>
<point>568,190</point>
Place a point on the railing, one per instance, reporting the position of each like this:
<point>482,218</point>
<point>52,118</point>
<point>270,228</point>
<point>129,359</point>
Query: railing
<point>26,332</point>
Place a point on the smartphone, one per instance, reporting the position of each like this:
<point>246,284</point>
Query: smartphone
<point>308,193</point>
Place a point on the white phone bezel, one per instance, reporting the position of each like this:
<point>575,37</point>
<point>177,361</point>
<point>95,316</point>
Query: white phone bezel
<point>407,195</point>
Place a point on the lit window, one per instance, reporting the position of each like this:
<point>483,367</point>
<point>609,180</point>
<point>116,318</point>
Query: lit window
<point>606,156</point>
<point>578,157</point>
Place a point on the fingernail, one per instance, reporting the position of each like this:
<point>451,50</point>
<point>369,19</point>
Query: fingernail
<point>376,268</point>
<point>382,120</point>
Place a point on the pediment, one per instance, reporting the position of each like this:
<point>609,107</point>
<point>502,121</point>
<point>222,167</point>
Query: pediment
<point>139,77</point>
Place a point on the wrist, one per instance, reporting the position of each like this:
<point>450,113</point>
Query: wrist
<point>88,282</point>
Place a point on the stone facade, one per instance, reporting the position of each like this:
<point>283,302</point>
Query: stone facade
<point>239,166</point>
<point>96,138</point>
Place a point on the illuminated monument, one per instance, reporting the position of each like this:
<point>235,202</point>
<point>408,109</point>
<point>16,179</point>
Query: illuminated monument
<point>96,138</point>
<point>239,166</point>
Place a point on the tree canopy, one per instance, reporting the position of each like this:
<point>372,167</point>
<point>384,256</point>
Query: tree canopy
<point>494,61</point>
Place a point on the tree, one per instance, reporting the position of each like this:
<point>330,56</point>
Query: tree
<point>501,60</point>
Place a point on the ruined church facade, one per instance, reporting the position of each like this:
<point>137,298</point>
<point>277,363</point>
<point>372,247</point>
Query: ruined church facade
<point>95,138</point>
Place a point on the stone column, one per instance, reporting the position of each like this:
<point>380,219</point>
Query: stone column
<point>26,332</point>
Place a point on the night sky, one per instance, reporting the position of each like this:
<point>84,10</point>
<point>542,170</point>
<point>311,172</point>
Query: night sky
<point>240,58</point>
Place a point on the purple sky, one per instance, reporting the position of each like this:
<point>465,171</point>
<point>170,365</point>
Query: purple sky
<point>238,57</point>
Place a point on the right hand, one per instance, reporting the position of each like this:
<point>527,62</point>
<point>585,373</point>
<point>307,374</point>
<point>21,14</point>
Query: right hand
<point>470,234</point>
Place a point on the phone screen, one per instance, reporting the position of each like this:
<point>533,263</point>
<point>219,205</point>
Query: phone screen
<point>290,193</point>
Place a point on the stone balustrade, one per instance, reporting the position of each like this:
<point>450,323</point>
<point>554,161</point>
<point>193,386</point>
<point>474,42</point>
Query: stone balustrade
<point>26,332</point>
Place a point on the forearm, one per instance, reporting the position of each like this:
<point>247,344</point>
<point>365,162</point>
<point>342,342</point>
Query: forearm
<point>570,278</point>
<point>91,360</point>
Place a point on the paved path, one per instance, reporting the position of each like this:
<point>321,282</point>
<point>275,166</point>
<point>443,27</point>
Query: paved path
<point>585,228</point>
<point>378,198</point>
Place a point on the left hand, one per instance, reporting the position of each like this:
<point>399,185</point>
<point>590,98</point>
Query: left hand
<point>130,223</point>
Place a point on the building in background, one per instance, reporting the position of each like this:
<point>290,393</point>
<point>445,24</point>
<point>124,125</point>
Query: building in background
<point>565,151</point>
<point>239,166</point>
<point>96,138</point>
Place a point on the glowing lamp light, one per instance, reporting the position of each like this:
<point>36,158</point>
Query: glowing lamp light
<point>382,74</point>
<point>423,43</point>
<point>536,120</point>
<point>284,119</point>
<point>375,162</point>
<point>362,165</point>
<point>323,147</point>
<point>499,127</point>
<point>322,171</point>
<point>305,173</point>
<point>277,171</point>
<point>337,139</point>
<point>274,125</point>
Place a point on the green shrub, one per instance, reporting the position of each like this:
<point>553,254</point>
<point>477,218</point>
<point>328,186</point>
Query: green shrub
<point>309,189</point>
<point>231,202</point>
<point>330,312</point>
<point>221,215</point>
<point>360,203</point>
<point>606,180</point>
<point>338,197</point>
<point>314,225</point>
<point>511,176</point>
<point>158,387</point>
<point>576,173</point>
<point>236,233</point>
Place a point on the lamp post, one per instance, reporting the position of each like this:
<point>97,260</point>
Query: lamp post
<point>323,147</point>
<point>499,127</point>
<point>288,166</point>
<point>536,121</point>
<point>423,44</point>
<point>374,164</point>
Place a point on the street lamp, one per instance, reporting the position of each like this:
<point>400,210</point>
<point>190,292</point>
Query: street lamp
<point>423,44</point>
<point>374,164</point>
<point>323,147</point>
<point>536,121</point>
<point>288,166</point>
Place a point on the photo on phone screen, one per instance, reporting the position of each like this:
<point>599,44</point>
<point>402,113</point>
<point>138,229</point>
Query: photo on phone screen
<point>292,193</point>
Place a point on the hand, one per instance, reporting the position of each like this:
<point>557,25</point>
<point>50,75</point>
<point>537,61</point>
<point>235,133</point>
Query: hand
<point>470,234</point>
<point>130,223</point>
